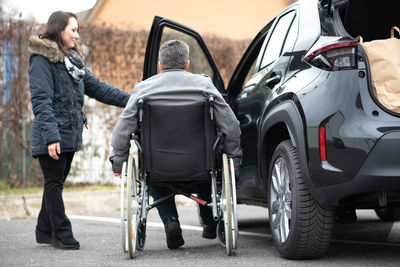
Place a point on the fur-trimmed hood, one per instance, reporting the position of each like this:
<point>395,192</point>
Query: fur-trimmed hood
<point>45,47</point>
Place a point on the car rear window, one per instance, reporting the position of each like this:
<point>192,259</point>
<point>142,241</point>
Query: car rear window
<point>274,47</point>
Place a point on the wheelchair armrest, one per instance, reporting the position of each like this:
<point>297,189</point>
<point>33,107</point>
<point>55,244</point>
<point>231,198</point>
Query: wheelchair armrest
<point>135,140</point>
<point>219,142</point>
<point>216,145</point>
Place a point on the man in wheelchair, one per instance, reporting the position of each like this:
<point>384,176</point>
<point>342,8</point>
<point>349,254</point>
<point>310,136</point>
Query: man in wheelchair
<point>175,86</point>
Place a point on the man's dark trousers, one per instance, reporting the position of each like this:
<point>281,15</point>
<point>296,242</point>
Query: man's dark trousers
<point>168,208</point>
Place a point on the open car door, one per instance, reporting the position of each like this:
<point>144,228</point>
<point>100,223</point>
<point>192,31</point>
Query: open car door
<point>201,61</point>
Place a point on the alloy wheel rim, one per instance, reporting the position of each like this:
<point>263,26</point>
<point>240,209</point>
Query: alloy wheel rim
<point>280,203</point>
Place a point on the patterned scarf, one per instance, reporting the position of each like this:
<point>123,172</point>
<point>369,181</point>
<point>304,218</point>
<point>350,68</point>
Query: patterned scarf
<point>75,66</point>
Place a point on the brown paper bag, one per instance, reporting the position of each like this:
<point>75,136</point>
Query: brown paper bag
<point>384,60</point>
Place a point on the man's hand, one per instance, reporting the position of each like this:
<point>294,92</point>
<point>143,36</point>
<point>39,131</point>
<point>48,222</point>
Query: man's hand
<point>54,150</point>
<point>117,174</point>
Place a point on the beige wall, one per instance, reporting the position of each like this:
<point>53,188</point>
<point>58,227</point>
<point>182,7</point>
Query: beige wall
<point>241,19</point>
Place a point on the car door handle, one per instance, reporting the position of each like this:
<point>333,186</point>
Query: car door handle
<point>271,82</point>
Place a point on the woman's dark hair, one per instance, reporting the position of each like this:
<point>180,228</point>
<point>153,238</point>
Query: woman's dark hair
<point>55,25</point>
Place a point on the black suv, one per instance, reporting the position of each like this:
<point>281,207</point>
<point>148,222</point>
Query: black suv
<point>316,140</point>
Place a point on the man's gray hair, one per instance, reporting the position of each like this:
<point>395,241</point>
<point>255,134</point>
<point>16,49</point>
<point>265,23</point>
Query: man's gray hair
<point>174,54</point>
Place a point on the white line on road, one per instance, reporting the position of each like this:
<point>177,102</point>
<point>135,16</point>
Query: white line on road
<point>242,233</point>
<point>151,224</point>
<point>365,243</point>
<point>94,218</point>
<point>115,220</point>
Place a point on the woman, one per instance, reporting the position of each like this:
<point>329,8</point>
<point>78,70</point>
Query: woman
<point>58,82</point>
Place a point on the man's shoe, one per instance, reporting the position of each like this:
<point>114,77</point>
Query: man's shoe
<point>173,232</point>
<point>66,243</point>
<point>43,237</point>
<point>210,231</point>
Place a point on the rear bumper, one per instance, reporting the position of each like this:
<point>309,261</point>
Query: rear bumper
<point>380,171</point>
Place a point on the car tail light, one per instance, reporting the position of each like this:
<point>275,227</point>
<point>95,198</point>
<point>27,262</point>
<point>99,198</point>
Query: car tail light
<point>339,56</point>
<point>322,145</point>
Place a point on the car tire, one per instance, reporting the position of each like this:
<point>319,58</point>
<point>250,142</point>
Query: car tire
<point>301,227</point>
<point>388,215</point>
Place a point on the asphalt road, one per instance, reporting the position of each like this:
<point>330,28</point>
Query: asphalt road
<point>368,242</point>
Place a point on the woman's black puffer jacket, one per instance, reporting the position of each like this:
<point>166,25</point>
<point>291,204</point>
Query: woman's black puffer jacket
<point>57,100</point>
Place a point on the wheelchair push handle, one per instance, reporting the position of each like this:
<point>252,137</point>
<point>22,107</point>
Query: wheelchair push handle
<point>140,104</point>
<point>211,101</point>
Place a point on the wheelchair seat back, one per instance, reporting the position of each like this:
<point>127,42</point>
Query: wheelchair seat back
<point>177,141</point>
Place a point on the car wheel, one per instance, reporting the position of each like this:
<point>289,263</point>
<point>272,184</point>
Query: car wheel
<point>388,215</point>
<point>301,228</point>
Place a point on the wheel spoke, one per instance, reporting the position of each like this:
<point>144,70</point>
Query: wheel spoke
<point>276,178</point>
<point>288,204</point>
<point>283,176</point>
<point>285,227</point>
<point>282,229</point>
<point>276,220</point>
<point>275,186</point>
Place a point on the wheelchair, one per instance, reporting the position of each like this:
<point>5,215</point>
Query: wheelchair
<point>178,146</point>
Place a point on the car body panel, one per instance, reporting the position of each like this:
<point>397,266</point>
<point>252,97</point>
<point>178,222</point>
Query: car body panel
<point>355,120</point>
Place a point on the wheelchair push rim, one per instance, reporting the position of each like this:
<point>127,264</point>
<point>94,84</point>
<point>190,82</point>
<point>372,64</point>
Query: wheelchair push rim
<point>124,234</point>
<point>132,207</point>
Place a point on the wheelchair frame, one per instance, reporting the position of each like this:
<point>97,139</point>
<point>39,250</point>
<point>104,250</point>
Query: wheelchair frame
<point>135,198</point>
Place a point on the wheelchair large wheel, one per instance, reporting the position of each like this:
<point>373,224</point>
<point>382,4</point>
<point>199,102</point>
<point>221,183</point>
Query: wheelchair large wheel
<point>235,226</point>
<point>133,208</point>
<point>226,207</point>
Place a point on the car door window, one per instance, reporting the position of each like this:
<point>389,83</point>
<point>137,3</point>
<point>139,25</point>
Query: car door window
<point>249,75</point>
<point>273,49</point>
<point>198,61</point>
<point>291,37</point>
